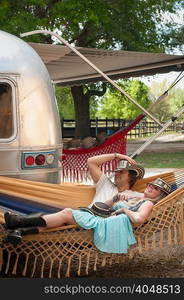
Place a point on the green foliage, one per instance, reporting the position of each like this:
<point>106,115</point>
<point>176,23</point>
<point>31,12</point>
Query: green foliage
<point>177,101</point>
<point>65,103</point>
<point>116,105</point>
<point>162,111</point>
<point>169,106</point>
<point>66,106</point>
<point>23,15</point>
<point>93,107</point>
<point>128,25</point>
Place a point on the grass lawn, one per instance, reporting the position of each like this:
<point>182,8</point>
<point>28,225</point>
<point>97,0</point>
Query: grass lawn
<point>161,160</point>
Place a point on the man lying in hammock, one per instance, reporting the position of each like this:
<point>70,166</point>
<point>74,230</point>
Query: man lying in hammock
<point>113,234</point>
<point>125,176</point>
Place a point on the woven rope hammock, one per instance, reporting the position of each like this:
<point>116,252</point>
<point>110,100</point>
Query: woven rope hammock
<point>74,163</point>
<point>70,248</point>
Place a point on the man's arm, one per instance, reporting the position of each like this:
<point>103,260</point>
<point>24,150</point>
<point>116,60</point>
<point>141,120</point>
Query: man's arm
<point>95,162</point>
<point>117,198</point>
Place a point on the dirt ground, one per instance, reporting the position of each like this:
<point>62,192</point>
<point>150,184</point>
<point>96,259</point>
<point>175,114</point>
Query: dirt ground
<point>164,143</point>
<point>165,263</point>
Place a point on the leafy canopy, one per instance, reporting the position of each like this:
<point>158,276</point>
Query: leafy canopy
<point>115,105</point>
<point>124,24</point>
<point>65,103</point>
<point>170,105</point>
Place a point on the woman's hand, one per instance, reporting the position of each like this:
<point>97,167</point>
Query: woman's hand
<point>118,212</point>
<point>123,197</point>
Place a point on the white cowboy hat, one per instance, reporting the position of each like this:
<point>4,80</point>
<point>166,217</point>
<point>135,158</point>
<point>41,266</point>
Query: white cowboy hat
<point>125,165</point>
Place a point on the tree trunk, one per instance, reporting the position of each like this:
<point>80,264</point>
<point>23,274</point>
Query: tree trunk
<point>82,118</point>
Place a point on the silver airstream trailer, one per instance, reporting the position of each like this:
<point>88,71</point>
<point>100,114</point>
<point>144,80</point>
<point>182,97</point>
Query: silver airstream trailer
<point>30,132</point>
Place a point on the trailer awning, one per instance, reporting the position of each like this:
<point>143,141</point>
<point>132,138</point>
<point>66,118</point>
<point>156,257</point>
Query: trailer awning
<point>68,69</point>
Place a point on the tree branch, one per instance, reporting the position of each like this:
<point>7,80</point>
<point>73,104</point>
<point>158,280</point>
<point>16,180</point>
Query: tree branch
<point>95,92</point>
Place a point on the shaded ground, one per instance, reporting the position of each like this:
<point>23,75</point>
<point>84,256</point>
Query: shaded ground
<point>160,263</point>
<point>165,263</point>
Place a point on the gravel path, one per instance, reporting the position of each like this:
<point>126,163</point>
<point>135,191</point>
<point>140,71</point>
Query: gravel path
<point>165,143</point>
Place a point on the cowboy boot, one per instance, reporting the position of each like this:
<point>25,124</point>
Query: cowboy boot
<point>13,221</point>
<point>15,236</point>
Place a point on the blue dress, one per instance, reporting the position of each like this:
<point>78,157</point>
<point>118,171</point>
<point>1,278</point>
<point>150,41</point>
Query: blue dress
<point>113,234</point>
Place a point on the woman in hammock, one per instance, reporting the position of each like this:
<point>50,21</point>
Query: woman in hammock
<point>113,234</point>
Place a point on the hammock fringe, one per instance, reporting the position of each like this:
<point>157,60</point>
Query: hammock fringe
<point>78,157</point>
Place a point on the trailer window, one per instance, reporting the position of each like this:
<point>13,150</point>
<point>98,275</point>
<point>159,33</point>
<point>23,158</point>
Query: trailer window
<point>6,111</point>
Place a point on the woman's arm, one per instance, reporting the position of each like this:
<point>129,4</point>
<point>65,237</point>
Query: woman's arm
<point>95,162</point>
<point>140,216</point>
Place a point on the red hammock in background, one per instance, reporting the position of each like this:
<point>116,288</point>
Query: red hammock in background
<point>74,162</point>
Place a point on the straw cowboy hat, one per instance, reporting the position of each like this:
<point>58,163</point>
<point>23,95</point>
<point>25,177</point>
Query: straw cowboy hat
<point>125,165</point>
<point>98,209</point>
<point>162,184</point>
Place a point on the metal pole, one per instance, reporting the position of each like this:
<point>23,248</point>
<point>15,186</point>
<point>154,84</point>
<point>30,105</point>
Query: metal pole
<point>94,67</point>
<point>150,140</point>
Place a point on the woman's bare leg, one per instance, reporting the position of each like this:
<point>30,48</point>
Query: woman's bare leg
<point>60,218</point>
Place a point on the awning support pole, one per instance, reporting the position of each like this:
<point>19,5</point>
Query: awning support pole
<point>94,67</point>
<point>150,140</point>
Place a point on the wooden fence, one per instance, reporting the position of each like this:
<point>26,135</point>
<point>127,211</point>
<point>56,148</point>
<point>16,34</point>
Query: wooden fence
<point>109,126</point>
